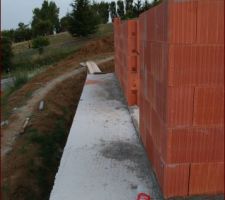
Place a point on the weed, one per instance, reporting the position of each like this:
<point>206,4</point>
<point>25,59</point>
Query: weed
<point>50,145</point>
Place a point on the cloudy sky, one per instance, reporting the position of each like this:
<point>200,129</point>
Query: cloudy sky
<point>15,11</point>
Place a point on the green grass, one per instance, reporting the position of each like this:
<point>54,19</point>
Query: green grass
<point>61,45</point>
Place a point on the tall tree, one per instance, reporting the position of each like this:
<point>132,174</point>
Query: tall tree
<point>22,33</point>
<point>48,12</point>
<point>137,8</point>
<point>65,23</point>
<point>83,20</point>
<point>129,5</point>
<point>146,6</point>
<point>103,10</point>
<point>42,28</point>
<point>129,9</point>
<point>8,34</point>
<point>120,9</point>
<point>112,9</point>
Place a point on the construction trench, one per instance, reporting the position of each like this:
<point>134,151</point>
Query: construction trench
<point>169,69</point>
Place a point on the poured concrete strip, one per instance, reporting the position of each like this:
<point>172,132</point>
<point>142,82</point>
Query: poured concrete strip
<point>103,158</point>
<point>92,67</point>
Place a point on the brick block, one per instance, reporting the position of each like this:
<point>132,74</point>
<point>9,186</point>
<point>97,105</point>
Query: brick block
<point>131,63</point>
<point>157,60</point>
<point>173,21</point>
<point>141,117</point>
<point>208,106</point>
<point>150,148</point>
<point>206,178</point>
<point>161,99</point>
<point>143,26</point>
<point>179,106</point>
<point>157,129</point>
<point>151,90</point>
<point>210,22</point>
<point>149,24</point>
<point>161,23</point>
<point>196,65</point>
<point>129,28</point>
<point>173,178</point>
<point>196,144</point>
<point>182,23</point>
<point>143,121</point>
<point>131,96</point>
<point>130,46</point>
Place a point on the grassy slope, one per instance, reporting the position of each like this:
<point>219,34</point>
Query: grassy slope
<point>29,63</point>
<point>27,60</point>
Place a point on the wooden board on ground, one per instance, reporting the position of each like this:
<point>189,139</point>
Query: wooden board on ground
<point>92,67</point>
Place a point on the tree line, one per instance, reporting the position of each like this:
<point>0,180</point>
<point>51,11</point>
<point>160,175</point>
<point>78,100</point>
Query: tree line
<point>129,9</point>
<point>81,21</point>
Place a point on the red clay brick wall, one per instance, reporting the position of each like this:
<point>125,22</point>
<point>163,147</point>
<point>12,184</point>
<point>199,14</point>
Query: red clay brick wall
<point>182,95</point>
<point>180,88</point>
<point>126,58</point>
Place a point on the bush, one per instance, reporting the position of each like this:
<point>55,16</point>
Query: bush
<point>6,47</point>
<point>39,43</point>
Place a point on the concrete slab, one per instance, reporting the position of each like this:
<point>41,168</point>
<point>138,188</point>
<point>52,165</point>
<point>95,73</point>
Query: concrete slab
<point>103,158</point>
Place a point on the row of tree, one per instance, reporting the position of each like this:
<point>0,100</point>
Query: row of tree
<point>85,17</point>
<point>82,21</point>
<point>45,21</point>
<point>130,9</point>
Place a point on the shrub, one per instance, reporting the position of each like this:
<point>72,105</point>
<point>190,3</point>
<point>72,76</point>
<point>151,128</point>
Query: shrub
<point>39,43</point>
<point>6,47</point>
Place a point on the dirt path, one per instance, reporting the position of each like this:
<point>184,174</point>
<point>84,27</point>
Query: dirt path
<point>12,131</point>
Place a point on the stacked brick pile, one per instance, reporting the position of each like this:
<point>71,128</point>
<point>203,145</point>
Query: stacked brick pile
<point>126,57</point>
<point>182,95</point>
